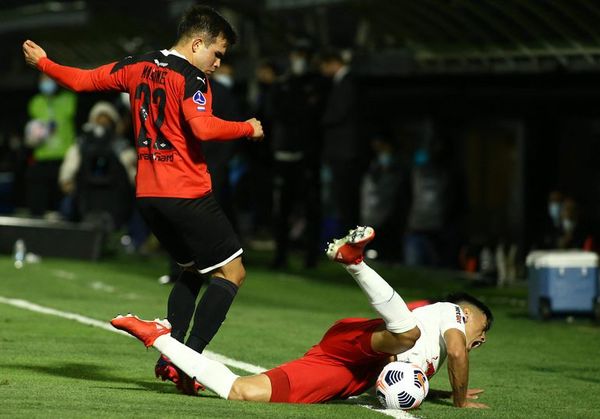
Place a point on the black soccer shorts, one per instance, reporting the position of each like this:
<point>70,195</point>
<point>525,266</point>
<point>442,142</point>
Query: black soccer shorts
<point>193,231</point>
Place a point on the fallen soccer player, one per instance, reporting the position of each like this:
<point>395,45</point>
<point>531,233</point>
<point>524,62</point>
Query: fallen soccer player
<point>353,352</point>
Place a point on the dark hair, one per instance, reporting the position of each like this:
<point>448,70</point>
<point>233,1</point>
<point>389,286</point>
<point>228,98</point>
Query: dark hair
<point>463,297</point>
<point>205,20</point>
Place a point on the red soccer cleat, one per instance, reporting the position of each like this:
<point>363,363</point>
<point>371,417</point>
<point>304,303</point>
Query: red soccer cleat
<point>166,370</point>
<point>349,250</point>
<point>146,331</point>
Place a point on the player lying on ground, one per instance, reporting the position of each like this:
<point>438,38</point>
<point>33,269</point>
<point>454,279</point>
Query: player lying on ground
<point>353,351</point>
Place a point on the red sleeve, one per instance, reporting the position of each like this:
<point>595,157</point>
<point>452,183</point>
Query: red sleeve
<point>210,127</point>
<point>79,80</point>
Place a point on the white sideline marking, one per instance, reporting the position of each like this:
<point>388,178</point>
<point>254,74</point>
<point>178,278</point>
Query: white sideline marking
<point>255,369</point>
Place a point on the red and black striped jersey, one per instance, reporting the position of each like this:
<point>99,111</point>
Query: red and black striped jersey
<point>171,105</point>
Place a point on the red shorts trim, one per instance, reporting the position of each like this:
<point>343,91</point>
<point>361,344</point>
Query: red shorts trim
<point>280,385</point>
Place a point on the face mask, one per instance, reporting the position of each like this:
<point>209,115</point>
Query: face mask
<point>225,79</point>
<point>48,87</point>
<point>568,225</point>
<point>298,66</point>
<point>421,157</point>
<point>554,211</point>
<point>385,159</point>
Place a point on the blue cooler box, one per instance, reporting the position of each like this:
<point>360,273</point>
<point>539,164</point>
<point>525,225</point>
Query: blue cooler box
<point>562,282</point>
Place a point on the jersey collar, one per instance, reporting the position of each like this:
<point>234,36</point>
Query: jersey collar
<point>172,52</point>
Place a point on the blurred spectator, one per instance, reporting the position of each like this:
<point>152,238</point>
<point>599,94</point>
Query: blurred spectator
<point>219,154</point>
<point>13,156</point>
<point>98,172</point>
<point>433,218</point>
<point>50,132</point>
<point>342,141</point>
<point>260,159</point>
<point>573,233</point>
<point>295,104</point>
<point>382,204</point>
<point>551,229</point>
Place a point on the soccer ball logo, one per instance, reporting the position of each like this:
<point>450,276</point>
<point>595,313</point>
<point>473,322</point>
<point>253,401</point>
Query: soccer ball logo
<point>401,386</point>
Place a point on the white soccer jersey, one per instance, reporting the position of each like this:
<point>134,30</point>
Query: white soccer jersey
<point>429,351</point>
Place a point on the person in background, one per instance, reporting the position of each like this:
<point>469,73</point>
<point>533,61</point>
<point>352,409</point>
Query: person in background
<point>296,103</point>
<point>573,233</point>
<point>50,132</point>
<point>551,229</point>
<point>383,204</point>
<point>97,174</point>
<point>436,209</point>
<point>219,154</point>
<point>260,159</point>
<point>343,144</point>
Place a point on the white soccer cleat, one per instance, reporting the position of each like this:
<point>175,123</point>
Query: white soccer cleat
<point>349,250</point>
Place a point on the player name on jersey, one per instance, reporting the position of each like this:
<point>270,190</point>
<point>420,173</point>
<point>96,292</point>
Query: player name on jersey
<point>153,74</point>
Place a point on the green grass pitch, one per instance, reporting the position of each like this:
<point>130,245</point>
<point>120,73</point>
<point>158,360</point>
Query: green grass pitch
<point>55,367</point>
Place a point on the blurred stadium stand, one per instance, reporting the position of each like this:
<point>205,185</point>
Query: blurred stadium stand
<point>510,86</point>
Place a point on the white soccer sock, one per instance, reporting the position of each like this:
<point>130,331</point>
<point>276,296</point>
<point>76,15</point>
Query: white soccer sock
<point>212,374</point>
<point>390,306</point>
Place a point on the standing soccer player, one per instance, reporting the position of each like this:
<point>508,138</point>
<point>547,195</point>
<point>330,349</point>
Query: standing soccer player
<point>171,107</point>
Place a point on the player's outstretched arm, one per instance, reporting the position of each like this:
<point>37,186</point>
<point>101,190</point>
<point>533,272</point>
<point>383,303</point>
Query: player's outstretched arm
<point>458,368</point>
<point>76,79</point>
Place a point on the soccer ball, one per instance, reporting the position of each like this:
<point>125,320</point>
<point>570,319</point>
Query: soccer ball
<point>401,386</point>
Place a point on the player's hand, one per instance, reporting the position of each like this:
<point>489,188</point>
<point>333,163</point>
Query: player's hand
<point>258,134</point>
<point>473,393</point>
<point>33,53</point>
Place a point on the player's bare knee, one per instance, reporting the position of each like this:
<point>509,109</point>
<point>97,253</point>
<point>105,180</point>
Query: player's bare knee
<point>234,272</point>
<point>409,338</point>
<point>242,391</point>
<point>236,392</point>
<point>241,275</point>
<point>412,336</point>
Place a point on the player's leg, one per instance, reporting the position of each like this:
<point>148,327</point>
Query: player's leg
<point>217,252</point>
<point>182,301</point>
<point>213,374</point>
<point>180,309</point>
<point>401,330</point>
<point>182,298</point>
<point>215,303</point>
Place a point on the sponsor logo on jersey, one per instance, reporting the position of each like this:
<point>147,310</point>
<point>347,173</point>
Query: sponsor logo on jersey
<point>167,158</point>
<point>158,63</point>
<point>459,317</point>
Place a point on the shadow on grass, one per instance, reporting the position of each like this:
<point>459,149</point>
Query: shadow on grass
<point>582,372</point>
<point>99,373</point>
<point>440,401</point>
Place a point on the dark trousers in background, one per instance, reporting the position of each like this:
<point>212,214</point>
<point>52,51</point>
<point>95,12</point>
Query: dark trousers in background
<point>346,179</point>
<point>43,193</point>
<point>296,183</point>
